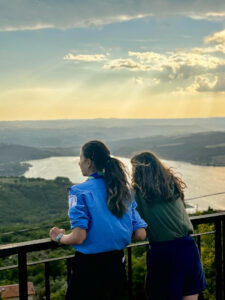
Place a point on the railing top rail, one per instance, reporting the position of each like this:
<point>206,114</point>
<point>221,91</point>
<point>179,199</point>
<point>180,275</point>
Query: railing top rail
<point>35,245</point>
<point>209,218</point>
<point>137,244</point>
<point>43,244</point>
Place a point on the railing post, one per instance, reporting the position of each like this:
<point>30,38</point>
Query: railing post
<point>199,244</point>
<point>47,282</point>
<point>218,259</point>
<point>22,266</point>
<point>200,297</point>
<point>68,265</point>
<point>130,292</point>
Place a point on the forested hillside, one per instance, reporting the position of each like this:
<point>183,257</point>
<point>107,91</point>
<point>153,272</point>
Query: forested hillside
<point>30,201</point>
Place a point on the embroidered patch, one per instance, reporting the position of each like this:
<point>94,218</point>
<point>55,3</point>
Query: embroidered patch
<point>72,200</point>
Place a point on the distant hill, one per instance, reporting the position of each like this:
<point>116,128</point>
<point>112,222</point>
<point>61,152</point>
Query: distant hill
<point>200,148</point>
<point>73,133</point>
<point>11,157</point>
<point>13,152</point>
<point>30,201</point>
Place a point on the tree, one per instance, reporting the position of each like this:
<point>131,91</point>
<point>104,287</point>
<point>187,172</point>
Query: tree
<point>208,260</point>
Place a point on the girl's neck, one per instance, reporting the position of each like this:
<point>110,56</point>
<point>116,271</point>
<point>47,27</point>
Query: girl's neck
<point>91,171</point>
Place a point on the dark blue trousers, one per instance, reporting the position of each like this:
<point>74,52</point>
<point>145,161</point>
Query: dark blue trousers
<point>174,270</point>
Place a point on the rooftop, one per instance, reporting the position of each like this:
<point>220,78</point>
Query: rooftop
<point>12,290</point>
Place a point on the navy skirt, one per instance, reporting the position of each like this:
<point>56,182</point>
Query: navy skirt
<point>174,270</point>
<point>99,276</point>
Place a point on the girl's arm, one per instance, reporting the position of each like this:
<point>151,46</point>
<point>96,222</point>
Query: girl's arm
<point>139,234</point>
<point>76,237</point>
<point>139,225</point>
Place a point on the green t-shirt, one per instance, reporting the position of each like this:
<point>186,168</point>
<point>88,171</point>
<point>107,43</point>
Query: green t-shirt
<point>167,220</point>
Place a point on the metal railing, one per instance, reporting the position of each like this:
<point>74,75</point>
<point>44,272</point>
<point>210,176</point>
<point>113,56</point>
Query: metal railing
<point>22,249</point>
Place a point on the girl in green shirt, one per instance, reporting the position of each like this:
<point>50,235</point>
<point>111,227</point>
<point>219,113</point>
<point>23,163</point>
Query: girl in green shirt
<point>174,270</point>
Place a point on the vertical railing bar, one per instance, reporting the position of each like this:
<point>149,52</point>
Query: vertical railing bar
<point>218,260</point>
<point>68,265</point>
<point>22,268</point>
<point>200,297</point>
<point>130,292</point>
<point>199,244</point>
<point>47,281</point>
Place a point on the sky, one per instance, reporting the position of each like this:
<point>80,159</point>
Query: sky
<point>107,58</point>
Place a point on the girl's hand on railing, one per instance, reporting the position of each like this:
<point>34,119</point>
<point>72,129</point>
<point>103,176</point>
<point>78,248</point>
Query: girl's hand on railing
<point>53,233</point>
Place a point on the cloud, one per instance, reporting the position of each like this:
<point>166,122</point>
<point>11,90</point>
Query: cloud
<point>156,81</point>
<point>210,16</point>
<point>36,15</point>
<point>90,22</point>
<point>216,48</point>
<point>27,28</point>
<point>42,14</point>
<point>118,64</point>
<point>85,57</point>
<point>220,84</point>
<point>192,71</point>
<point>193,59</point>
<point>174,60</point>
<point>156,60</point>
<point>204,83</point>
<point>217,37</point>
<point>138,80</point>
<point>216,14</point>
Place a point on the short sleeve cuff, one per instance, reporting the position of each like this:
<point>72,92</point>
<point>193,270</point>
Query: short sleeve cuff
<point>78,214</point>
<point>142,224</point>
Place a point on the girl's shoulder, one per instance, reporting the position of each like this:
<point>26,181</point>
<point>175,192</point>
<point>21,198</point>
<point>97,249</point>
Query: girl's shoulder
<point>85,186</point>
<point>80,187</point>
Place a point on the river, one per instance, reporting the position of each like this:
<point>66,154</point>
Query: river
<point>200,180</point>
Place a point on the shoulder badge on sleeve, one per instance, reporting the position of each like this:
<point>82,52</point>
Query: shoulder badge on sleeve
<point>72,200</point>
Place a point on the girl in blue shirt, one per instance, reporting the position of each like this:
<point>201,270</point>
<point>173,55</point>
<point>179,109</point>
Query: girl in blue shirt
<point>103,219</point>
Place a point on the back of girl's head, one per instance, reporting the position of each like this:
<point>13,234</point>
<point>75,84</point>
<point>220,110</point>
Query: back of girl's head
<point>153,180</point>
<point>97,152</point>
<point>114,173</point>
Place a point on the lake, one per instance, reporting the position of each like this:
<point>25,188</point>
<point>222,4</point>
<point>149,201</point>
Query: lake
<point>200,180</point>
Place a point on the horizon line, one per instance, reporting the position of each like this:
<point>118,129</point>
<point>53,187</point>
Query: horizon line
<point>110,118</point>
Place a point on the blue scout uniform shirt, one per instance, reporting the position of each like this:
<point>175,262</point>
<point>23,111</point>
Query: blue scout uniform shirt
<point>88,210</point>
